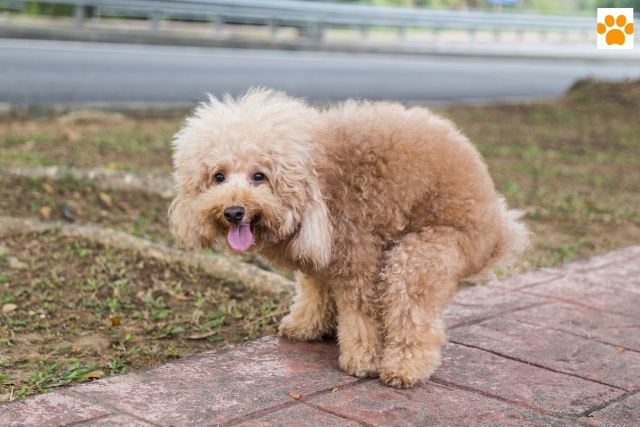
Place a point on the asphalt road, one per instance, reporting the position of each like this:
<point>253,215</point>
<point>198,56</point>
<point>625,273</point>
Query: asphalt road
<point>56,72</point>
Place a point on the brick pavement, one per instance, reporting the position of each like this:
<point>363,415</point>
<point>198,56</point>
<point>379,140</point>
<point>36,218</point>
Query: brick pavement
<point>554,347</point>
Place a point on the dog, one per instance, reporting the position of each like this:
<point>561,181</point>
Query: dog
<point>380,209</point>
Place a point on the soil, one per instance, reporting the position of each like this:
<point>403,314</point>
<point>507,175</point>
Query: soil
<point>73,308</point>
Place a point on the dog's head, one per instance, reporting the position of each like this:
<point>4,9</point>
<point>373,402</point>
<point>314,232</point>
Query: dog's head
<point>244,172</point>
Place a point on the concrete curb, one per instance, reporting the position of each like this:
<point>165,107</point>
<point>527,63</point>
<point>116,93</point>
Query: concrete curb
<point>137,110</point>
<point>219,266</point>
<point>157,183</point>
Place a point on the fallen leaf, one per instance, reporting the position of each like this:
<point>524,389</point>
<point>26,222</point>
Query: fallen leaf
<point>620,349</point>
<point>34,244</point>
<point>76,349</point>
<point>45,211</point>
<point>201,335</point>
<point>106,199</point>
<point>72,135</point>
<point>5,397</point>
<point>335,389</point>
<point>8,308</point>
<point>181,297</point>
<point>112,166</point>
<point>115,321</point>
<point>16,264</point>
<point>46,187</point>
<point>159,285</point>
<point>124,206</point>
<point>295,394</point>
<point>29,145</point>
<point>93,374</point>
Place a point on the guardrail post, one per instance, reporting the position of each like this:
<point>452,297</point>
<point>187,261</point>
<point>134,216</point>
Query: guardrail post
<point>273,28</point>
<point>364,30</point>
<point>218,25</point>
<point>155,20</point>
<point>79,14</point>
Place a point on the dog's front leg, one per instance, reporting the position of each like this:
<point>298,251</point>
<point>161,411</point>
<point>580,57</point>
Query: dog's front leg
<point>313,313</point>
<point>359,334</point>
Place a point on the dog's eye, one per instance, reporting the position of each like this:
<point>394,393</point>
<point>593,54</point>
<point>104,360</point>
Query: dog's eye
<point>219,178</point>
<point>258,177</point>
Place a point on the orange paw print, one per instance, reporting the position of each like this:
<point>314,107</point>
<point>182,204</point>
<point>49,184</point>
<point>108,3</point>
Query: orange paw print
<point>615,35</point>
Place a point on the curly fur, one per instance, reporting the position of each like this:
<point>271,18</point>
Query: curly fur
<point>382,209</point>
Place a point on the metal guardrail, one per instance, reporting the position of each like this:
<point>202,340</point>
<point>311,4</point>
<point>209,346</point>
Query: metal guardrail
<point>320,15</point>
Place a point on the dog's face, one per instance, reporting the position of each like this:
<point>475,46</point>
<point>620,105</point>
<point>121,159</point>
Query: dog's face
<point>240,201</point>
<point>245,175</point>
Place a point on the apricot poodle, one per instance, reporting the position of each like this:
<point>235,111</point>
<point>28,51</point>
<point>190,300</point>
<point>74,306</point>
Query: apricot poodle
<point>381,209</point>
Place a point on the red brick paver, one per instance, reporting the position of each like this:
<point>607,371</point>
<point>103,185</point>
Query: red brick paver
<point>49,409</point>
<point>555,347</point>
<point>620,414</point>
<point>229,384</point>
<point>517,382</point>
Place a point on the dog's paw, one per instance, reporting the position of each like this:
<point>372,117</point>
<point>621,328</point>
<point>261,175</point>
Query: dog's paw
<point>403,368</point>
<point>359,365</point>
<point>292,328</point>
<point>397,379</point>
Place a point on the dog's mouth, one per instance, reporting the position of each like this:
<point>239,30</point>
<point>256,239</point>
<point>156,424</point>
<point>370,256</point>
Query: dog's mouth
<point>240,236</point>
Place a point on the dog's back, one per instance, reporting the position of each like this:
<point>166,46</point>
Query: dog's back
<point>394,171</point>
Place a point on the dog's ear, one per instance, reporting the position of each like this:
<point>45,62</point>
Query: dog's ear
<point>183,224</point>
<point>312,242</point>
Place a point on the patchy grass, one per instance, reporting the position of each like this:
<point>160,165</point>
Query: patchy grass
<point>107,140</point>
<point>573,165</point>
<point>75,311</point>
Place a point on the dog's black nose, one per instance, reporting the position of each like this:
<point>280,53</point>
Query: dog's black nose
<point>234,214</point>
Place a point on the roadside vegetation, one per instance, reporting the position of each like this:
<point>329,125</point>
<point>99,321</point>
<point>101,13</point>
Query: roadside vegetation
<point>75,310</point>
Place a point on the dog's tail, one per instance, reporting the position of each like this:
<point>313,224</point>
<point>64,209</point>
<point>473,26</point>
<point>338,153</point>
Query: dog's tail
<point>514,243</point>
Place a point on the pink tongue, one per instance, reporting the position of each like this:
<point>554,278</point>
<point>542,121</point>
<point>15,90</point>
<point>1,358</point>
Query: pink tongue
<point>239,237</point>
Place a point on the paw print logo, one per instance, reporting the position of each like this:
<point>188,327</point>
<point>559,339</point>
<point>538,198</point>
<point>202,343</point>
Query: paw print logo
<point>615,35</point>
<point>615,28</point>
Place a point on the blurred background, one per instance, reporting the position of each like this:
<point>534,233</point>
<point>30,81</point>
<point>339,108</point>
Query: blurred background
<point>92,91</point>
<point>175,51</point>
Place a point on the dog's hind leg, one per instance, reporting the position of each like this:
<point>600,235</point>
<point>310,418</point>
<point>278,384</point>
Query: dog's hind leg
<point>420,277</point>
<point>313,314</point>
